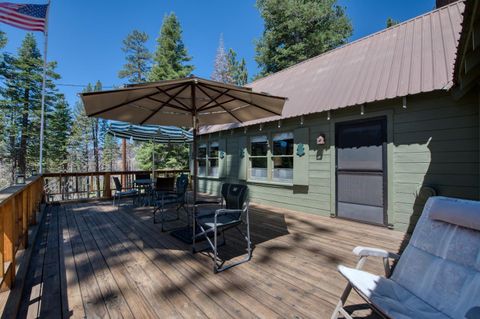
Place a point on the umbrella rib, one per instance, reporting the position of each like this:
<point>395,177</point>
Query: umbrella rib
<point>168,104</point>
<point>212,100</point>
<point>216,104</point>
<point>174,98</point>
<point>245,101</point>
<point>231,114</point>
<point>245,91</point>
<point>128,102</point>
<point>165,103</point>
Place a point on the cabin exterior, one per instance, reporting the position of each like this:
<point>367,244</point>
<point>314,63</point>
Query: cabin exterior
<point>370,130</point>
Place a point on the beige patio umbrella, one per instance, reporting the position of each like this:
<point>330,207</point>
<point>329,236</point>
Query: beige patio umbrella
<point>189,102</point>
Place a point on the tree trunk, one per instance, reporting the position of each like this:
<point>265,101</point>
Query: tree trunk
<point>22,154</point>
<point>95,152</point>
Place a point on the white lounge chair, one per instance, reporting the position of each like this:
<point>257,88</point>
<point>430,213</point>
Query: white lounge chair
<point>438,274</point>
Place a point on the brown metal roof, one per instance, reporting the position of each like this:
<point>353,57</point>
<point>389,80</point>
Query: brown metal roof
<point>412,57</point>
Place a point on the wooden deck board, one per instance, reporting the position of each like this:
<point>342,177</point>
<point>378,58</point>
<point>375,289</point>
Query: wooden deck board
<point>96,261</point>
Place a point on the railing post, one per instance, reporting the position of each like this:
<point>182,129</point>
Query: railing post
<point>9,243</point>
<point>27,206</point>
<point>107,192</point>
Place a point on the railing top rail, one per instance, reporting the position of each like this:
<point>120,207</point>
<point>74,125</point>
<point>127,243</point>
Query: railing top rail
<point>113,172</point>
<point>11,191</point>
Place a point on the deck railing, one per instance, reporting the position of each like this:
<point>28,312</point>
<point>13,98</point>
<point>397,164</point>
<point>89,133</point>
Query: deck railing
<point>93,185</point>
<point>19,205</point>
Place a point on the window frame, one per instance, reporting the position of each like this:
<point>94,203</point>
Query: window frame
<point>208,157</point>
<point>270,156</point>
<point>273,156</point>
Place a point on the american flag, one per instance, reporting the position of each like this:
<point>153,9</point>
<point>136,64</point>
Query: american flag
<point>24,16</point>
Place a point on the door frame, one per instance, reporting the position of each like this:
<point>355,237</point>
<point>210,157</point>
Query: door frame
<point>383,121</point>
<point>388,180</point>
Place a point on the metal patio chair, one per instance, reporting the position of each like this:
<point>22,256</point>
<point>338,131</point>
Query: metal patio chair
<point>165,199</point>
<point>438,274</point>
<point>232,214</point>
<point>121,192</point>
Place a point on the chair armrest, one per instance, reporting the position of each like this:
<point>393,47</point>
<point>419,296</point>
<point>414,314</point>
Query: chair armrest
<point>207,202</point>
<point>228,211</point>
<point>374,252</point>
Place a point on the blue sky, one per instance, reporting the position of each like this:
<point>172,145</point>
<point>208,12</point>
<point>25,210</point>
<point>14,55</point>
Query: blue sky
<point>85,36</point>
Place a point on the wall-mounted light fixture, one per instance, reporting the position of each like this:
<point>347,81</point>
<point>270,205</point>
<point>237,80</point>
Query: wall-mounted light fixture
<point>321,139</point>
<point>260,128</point>
<point>404,102</point>
<point>245,130</point>
<point>279,125</point>
<point>301,120</point>
<point>362,109</point>
<point>329,116</point>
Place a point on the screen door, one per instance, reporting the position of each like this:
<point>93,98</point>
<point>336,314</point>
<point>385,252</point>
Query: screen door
<point>361,170</point>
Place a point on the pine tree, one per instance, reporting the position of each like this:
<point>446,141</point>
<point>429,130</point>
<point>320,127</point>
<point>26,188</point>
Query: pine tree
<point>171,56</point>
<point>138,57</point>
<point>58,132</point>
<point>110,153</point>
<point>296,30</point>
<point>391,22</point>
<point>222,68</point>
<point>22,93</point>
<point>238,70</point>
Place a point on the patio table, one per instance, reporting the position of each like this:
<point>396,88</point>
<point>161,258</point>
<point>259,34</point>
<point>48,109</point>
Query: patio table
<point>145,185</point>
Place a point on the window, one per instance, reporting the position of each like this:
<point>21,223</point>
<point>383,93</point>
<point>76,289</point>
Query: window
<point>273,163</point>
<point>202,160</point>
<point>258,157</point>
<point>282,157</point>
<point>213,159</point>
<point>208,159</point>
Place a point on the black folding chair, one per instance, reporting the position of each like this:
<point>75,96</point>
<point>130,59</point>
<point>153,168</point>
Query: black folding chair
<point>232,214</point>
<point>176,198</point>
<point>121,192</point>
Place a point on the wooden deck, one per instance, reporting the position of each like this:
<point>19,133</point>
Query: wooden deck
<point>96,262</point>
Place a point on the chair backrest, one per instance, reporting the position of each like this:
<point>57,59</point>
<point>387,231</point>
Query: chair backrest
<point>165,183</point>
<point>181,185</point>
<point>118,185</point>
<point>235,196</point>
<point>142,176</point>
<point>441,264</point>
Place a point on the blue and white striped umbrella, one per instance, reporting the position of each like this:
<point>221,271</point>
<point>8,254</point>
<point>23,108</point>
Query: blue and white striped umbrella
<point>150,133</point>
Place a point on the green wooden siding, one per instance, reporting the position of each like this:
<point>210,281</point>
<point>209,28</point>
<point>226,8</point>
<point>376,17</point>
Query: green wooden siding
<point>433,142</point>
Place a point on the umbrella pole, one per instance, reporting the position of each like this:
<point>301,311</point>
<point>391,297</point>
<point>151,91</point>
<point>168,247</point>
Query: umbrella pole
<point>195,166</point>
<point>153,160</point>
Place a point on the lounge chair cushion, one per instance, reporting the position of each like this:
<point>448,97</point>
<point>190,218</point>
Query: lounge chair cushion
<point>457,212</point>
<point>388,296</point>
<point>441,264</point>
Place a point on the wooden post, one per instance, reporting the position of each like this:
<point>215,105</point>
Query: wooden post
<point>124,161</point>
<point>107,192</point>
<point>27,207</point>
<point>9,243</point>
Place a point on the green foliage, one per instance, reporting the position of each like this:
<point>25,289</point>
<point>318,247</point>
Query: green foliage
<point>390,22</point>
<point>21,96</point>
<point>3,39</point>
<point>296,30</point>
<point>110,153</point>
<point>166,156</point>
<point>58,131</point>
<point>171,56</point>
<point>138,57</point>
<point>238,70</point>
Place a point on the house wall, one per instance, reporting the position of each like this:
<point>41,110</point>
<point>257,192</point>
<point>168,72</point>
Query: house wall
<point>433,142</point>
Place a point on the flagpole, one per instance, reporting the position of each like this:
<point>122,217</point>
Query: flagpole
<point>42,116</point>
